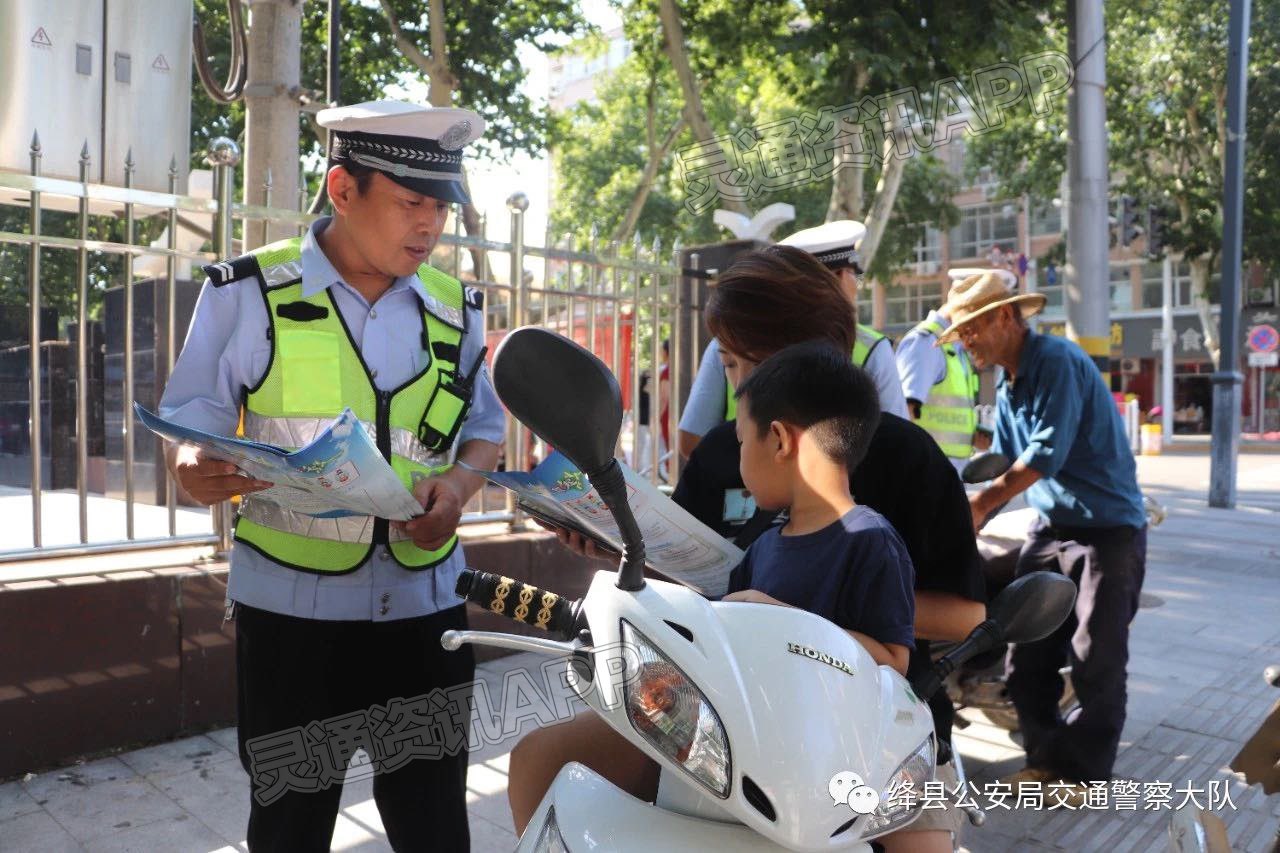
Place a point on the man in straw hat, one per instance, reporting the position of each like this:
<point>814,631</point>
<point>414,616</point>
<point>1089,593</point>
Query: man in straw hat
<point>1057,420</point>
<point>939,382</point>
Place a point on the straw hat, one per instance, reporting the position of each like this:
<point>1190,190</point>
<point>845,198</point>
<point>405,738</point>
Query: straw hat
<point>980,294</point>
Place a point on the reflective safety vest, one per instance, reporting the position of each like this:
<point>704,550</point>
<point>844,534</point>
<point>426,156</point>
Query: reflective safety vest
<point>314,373</point>
<point>948,415</point>
<point>864,341</point>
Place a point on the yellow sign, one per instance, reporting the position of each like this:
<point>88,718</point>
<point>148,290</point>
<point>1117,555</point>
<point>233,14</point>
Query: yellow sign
<point>1060,329</point>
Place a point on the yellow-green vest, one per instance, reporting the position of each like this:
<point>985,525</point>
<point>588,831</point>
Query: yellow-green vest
<point>314,373</point>
<point>948,415</point>
<point>864,342</point>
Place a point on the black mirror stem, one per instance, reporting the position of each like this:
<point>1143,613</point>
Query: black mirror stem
<point>611,485</point>
<point>983,638</point>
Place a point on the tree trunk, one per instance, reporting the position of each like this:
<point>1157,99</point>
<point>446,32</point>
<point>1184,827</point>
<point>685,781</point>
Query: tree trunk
<point>1200,299</point>
<point>657,156</point>
<point>440,89</point>
<point>848,183</point>
<point>271,113</point>
<point>886,193</point>
<point>694,112</point>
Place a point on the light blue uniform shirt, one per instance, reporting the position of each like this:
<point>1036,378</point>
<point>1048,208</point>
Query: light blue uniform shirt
<point>1058,418</point>
<point>921,365</point>
<point>227,350</point>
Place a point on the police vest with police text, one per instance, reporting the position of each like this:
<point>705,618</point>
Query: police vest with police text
<point>948,414</point>
<point>315,372</point>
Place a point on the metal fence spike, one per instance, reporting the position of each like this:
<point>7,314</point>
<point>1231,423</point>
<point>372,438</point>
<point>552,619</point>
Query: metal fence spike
<point>266,179</point>
<point>129,163</point>
<point>173,166</point>
<point>84,152</point>
<point>35,142</point>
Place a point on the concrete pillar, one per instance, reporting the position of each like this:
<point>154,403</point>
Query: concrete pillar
<point>1088,298</point>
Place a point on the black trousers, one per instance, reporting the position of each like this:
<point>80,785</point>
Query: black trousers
<point>294,674</point>
<point>1107,566</point>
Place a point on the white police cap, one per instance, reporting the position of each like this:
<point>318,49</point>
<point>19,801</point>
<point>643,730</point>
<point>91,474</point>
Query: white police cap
<point>418,147</point>
<point>835,244</point>
<point>961,273</point>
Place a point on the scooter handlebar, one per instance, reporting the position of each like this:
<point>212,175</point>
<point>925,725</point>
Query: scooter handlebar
<point>520,601</point>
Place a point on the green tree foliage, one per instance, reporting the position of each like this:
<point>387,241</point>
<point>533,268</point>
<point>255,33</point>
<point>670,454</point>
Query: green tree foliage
<point>1166,97</point>
<point>763,62</point>
<point>482,39</point>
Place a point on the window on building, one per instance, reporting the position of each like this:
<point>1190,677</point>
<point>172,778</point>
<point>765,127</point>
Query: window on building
<point>929,251</point>
<point>1153,285</point>
<point>1121,288</point>
<point>1045,218</point>
<point>983,226</point>
<point>908,304</point>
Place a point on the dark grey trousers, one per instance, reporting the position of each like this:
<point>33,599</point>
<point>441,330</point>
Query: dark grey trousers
<point>1107,566</point>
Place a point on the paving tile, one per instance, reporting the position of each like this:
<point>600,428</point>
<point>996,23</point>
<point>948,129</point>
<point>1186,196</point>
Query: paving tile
<point>179,756</point>
<point>36,831</point>
<point>182,834</point>
<point>488,837</point>
<point>217,796</point>
<point>15,801</point>
<point>93,799</point>
<point>228,739</point>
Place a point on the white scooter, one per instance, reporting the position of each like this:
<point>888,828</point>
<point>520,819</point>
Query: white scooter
<point>773,728</point>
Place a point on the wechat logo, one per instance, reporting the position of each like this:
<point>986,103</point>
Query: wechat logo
<point>847,789</point>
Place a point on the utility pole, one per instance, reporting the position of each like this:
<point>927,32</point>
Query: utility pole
<point>1088,232</point>
<point>271,112</point>
<point>1227,380</point>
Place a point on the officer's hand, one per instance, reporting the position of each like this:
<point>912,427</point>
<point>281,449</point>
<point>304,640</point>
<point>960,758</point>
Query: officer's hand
<point>210,480</point>
<point>576,542</point>
<point>443,510</point>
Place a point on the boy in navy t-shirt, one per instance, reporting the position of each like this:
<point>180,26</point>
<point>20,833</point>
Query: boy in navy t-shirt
<point>805,418</point>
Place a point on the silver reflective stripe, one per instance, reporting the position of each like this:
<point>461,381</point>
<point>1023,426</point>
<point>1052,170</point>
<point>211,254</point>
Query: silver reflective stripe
<point>949,400</point>
<point>353,529</point>
<point>405,443</point>
<point>283,273</point>
<point>444,313</point>
<point>299,432</point>
<point>401,170</point>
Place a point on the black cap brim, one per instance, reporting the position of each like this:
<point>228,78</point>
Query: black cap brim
<point>452,191</point>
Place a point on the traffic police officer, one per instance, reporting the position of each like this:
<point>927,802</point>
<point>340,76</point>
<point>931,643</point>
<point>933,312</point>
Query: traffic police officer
<point>939,382</point>
<point>835,244</point>
<point>338,620</point>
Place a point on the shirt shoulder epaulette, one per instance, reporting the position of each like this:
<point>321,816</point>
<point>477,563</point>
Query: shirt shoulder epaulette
<point>225,272</point>
<point>474,298</point>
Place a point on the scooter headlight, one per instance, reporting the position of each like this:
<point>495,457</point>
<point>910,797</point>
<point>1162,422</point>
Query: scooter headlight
<point>668,711</point>
<point>895,812</point>
<point>549,839</point>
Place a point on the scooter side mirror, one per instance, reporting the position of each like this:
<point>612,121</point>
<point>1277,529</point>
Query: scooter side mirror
<point>572,401</point>
<point>1033,606</point>
<point>984,467</point>
<point>1029,609</point>
<point>562,392</point>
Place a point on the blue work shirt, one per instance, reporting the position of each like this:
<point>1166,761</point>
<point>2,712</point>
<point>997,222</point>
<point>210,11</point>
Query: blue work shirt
<point>227,350</point>
<point>1058,418</point>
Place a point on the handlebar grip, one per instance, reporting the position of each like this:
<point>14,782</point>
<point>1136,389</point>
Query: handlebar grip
<point>520,601</point>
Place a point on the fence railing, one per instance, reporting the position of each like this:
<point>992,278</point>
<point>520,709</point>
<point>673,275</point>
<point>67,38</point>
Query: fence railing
<point>620,303</point>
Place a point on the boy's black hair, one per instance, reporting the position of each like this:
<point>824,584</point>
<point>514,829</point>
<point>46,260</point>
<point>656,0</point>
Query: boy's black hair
<point>814,387</point>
